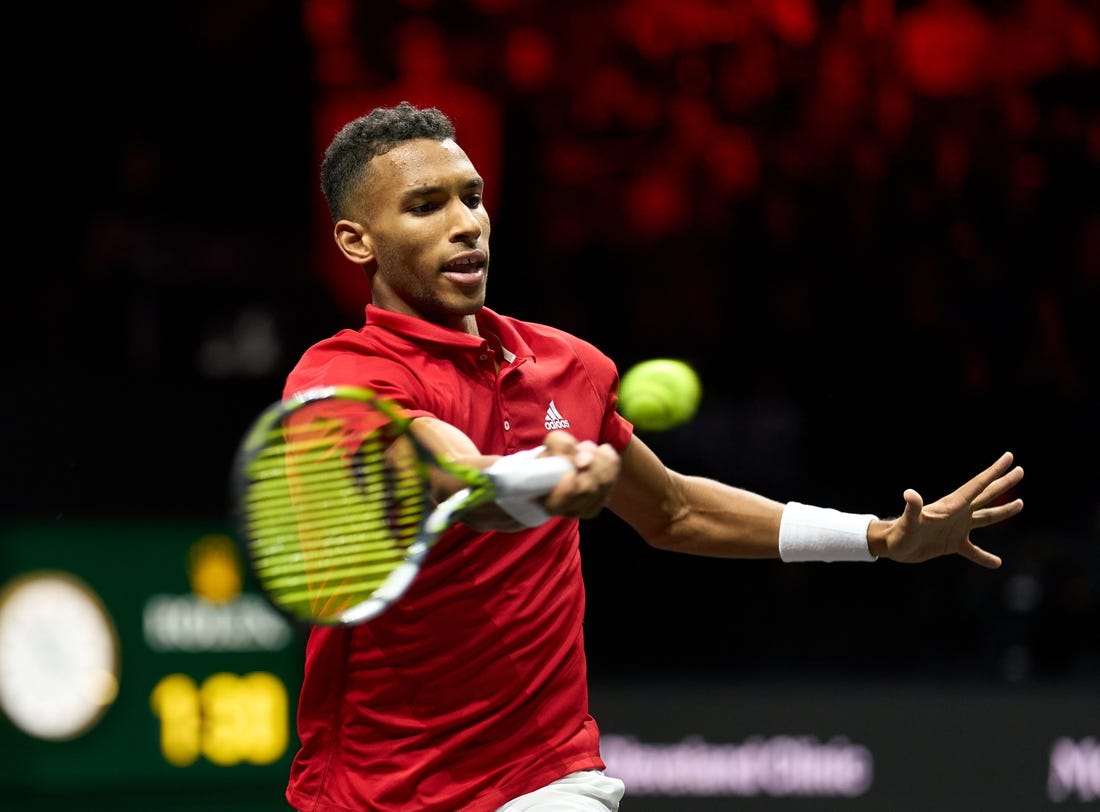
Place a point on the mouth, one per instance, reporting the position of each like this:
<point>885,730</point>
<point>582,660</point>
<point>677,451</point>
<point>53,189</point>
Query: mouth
<point>466,269</point>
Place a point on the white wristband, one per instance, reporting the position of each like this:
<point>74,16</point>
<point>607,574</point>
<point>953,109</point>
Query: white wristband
<point>808,533</point>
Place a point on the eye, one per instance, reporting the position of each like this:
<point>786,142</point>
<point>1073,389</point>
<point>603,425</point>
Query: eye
<point>473,201</point>
<point>424,208</point>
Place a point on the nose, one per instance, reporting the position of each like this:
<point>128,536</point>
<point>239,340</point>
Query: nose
<point>464,223</point>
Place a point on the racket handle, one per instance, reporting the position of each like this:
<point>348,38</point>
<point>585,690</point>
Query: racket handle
<point>525,474</point>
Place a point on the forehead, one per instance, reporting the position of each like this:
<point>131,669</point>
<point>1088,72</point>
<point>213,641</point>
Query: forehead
<point>420,163</point>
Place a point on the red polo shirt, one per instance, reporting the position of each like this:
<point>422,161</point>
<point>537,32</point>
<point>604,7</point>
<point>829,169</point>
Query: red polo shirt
<point>472,689</point>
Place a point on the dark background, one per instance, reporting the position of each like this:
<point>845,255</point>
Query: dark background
<point>874,227</point>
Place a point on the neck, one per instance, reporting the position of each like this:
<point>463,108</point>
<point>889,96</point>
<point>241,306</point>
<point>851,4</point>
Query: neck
<point>463,323</point>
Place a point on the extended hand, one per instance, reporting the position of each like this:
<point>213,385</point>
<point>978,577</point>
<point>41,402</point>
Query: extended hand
<point>924,532</point>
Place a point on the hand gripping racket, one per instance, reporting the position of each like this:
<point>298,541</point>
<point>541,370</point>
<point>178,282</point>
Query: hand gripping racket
<point>333,496</point>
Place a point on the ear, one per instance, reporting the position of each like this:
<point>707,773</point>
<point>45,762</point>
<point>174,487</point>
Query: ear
<point>354,242</point>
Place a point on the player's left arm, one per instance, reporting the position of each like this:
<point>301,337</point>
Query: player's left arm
<point>693,514</point>
<point>705,517</point>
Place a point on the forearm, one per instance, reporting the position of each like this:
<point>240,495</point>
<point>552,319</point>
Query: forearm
<point>447,442</point>
<point>704,517</point>
<point>712,519</point>
<point>577,479</point>
<point>726,522</point>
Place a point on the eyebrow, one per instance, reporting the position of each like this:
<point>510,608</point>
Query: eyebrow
<point>428,190</point>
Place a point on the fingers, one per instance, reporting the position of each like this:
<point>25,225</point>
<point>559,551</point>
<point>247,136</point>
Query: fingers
<point>561,443</point>
<point>584,492</point>
<point>972,552</point>
<point>978,485</point>
<point>998,487</point>
<point>998,513</point>
<point>585,455</point>
<point>914,504</point>
<point>597,472</point>
<point>944,526</point>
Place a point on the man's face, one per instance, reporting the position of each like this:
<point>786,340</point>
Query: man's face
<point>425,223</point>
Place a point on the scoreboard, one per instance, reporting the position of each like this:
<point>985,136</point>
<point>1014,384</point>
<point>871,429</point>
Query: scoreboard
<point>140,669</point>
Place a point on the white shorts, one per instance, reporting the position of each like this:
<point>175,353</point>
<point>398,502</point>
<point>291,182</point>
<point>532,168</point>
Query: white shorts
<point>584,791</point>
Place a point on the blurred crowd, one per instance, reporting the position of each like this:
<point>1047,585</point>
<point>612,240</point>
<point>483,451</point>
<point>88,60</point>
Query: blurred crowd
<point>801,197</point>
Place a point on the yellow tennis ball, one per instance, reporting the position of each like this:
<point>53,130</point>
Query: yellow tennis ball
<point>659,394</point>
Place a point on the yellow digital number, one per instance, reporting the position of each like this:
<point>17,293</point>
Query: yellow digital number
<point>175,701</point>
<point>267,708</point>
<point>228,719</point>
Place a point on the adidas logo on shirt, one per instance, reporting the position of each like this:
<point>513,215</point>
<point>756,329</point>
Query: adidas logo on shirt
<point>554,420</point>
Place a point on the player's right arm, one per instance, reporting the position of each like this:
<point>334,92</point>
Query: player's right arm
<point>580,494</point>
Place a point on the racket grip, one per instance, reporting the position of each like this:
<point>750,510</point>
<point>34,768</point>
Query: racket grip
<point>525,474</point>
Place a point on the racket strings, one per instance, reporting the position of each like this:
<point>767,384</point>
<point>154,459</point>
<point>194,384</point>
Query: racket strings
<point>280,513</point>
<point>329,519</point>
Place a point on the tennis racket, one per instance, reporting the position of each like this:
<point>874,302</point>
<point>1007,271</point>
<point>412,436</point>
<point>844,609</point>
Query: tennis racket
<point>333,501</point>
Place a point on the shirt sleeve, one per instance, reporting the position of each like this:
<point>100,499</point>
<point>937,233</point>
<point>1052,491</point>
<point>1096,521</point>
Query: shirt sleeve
<point>604,377</point>
<point>338,362</point>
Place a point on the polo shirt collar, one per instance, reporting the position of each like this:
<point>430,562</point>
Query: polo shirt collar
<point>421,331</point>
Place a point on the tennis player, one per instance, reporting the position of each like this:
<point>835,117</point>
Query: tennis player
<point>470,693</point>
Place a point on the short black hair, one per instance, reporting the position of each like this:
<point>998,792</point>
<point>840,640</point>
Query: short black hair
<point>368,136</point>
